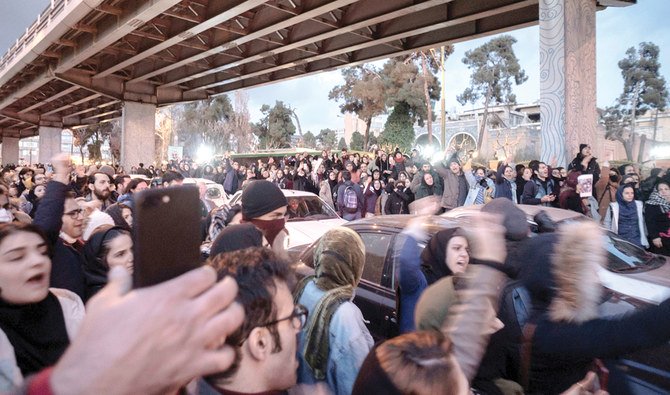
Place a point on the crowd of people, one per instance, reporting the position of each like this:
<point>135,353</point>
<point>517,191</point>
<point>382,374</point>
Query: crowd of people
<point>248,323</point>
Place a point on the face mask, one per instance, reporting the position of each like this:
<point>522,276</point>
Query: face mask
<point>270,228</point>
<point>5,215</point>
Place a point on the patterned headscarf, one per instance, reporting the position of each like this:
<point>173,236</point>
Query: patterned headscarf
<point>655,199</point>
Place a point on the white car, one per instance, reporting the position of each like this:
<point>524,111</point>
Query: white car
<point>314,217</point>
<point>215,193</point>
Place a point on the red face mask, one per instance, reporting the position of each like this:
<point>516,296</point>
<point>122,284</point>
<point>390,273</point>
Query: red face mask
<point>270,228</point>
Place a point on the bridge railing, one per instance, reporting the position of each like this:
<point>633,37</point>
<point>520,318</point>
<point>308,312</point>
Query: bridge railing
<point>43,20</point>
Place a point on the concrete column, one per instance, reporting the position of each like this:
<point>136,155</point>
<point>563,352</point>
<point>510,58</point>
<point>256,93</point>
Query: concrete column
<point>567,77</point>
<point>50,143</point>
<point>10,150</point>
<point>138,134</point>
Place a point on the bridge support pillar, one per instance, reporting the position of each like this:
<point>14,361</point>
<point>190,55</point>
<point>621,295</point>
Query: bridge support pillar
<point>49,143</point>
<point>567,77</point>
<point>138,134</point>
<point>10,150</point>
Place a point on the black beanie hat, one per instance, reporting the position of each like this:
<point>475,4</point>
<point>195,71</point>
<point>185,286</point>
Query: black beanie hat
<point>261,197</point>
<point>236,237</point>
<point>372,379</point>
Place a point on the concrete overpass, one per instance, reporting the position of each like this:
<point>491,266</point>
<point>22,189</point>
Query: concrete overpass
<point>88,61</point>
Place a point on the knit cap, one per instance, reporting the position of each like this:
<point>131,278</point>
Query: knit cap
<point>261,197</point>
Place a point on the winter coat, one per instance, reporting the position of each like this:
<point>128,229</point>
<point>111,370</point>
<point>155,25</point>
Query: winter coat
<point>340,201</point>
<point>565,296</point>
<point>370,198</point>
<point>475,187</point>
<point>533,191</point>
<point>326,194</point>
<point>591,168</point>
<point>658,222</point>
<point>504,187</point>
<point>398,201</point>
<point>611,221</point>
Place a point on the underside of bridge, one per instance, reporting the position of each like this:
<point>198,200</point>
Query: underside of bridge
<point>82,61</point>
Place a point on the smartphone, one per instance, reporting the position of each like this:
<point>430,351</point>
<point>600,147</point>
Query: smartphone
<point>603,374</point>
<point>166,234</point>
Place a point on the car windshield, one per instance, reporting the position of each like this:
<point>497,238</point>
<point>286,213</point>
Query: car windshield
<point>626,257</point>
<point>307,208</point>
<point>213,193</point>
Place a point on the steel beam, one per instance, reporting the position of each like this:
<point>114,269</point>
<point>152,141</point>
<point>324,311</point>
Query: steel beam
<point>50,99</point>
<point>73,104</point>
<point>305,15</point>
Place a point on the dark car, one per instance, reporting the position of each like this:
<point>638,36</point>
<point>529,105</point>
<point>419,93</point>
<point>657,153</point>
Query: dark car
<point>649,369</point>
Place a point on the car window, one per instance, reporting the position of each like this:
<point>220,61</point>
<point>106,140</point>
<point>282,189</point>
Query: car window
<point>213,193</point>
<point>626,257</point>
<point>376,248</point>
<point>306,208</point>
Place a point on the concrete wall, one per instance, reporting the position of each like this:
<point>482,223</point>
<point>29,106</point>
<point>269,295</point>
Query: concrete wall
<point>50,143</point>
<point>138,134</point>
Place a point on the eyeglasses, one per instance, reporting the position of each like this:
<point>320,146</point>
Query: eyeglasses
<point>75,213</point>
<point>298,318</point>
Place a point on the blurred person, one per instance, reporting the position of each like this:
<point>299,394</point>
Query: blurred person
<point>25,179</point>
<point>294,209</point>
<point>349,198</point>
<point>95,220</point>
<point>418,178</point>
<point>657,218</point>
<point>540,189</point>
<point>372,193</point>
<point>648,185</point>
<point>335,340</point>
<point>417,363</point>
<point>585,162</point>
<point>172,178</point>
<point>237,237</point>
<point>399,198</point>
<point>134,186</point>
<point>481,188</point>
<point>523,175</point>
<point>604,191</point>
<point>36,322</point>
<point>266,344</point>
<point>570,199</point>
<point>625,217</point>
<point>107,247</point>
<point>121,182</point>
<point>566,331</point>
<point>62,221</point>
<point>426,187</point>
<point>99,190</point>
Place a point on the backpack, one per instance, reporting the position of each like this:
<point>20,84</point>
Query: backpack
<point>350,200</point>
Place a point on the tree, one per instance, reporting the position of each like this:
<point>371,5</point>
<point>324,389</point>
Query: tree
<point>98,134</point>
<point>326,138</point>
<point>362,94</point>
<point>617,127</point>
<point>342,144</point>
<point>494,66</point>
<point>203,122</point>
<point>399,129</point>
<point>276,127</point>
<point>81,137</point>
<point>357,141</point>
<point>309,140</point>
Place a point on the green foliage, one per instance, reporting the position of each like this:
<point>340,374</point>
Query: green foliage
<point>309,140</point>
<point>494,67</point>
<point>362,94</point>
<point>276,127</point>
<point>204,122</point>
<point>357,141</point>
<point>399,129</point>
<point>342,144</point>
<point>326,138</point>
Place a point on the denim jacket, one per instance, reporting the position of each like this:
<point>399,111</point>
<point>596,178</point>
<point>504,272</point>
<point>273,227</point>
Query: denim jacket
<point>350,342</point>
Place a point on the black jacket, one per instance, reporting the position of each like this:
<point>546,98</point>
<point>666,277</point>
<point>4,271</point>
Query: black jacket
<point>398,201</point>
<point>66,260</point>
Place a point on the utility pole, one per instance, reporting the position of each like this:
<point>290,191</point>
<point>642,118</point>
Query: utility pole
<point>443,114</point>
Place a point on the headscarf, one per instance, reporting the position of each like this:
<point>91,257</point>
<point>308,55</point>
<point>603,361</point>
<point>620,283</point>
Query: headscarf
<point>657,200</point>
<point>116,212</point>
<point>434,255</point>
<point>570,189</point>
<point>627,210</point>
<point>95,269</point>
<point>36,331</point>
<point>338,265</point>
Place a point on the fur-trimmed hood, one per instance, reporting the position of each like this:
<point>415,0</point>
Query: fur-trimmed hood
<point>561,271</point>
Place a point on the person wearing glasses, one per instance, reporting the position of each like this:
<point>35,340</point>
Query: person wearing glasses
<point>335,340</point>
<point>62,221</point>
<point>266,344</point>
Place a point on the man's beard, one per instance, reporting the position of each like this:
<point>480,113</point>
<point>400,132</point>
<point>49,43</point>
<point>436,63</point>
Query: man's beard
<point>102,195</point>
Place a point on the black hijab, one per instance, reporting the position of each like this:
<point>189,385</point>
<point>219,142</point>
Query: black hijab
<point>434,255</point>
<point>95,269</point>
<point>36,331</point>
<point>116,212</point>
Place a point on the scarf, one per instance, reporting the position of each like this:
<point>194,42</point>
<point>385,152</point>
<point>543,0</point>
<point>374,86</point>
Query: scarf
<point>338,263</point>
<point>36,331</point>
<point>657,200</point>
<point>627,210</point>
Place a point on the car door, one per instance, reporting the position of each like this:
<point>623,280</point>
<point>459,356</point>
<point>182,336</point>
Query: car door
<point>373,298</point>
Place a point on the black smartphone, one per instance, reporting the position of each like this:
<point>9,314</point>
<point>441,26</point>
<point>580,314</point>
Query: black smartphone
<point>166,234</point>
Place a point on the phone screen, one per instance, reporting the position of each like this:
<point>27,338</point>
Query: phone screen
<point>166,233</point>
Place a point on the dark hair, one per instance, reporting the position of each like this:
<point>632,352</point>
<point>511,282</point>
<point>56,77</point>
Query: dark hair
<point>171,175</point>
<point>12,228</point>
<point>346,175</point>
<point>132,185</point>
<point>519,168</point>
<point>91,178</point>
<point>536,166</point>
<point>119,179</point>
<point>255,269</point>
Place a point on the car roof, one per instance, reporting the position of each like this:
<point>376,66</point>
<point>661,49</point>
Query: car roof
<point>400,221</point>
<point>556,214</point>
<point>191,180</point>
